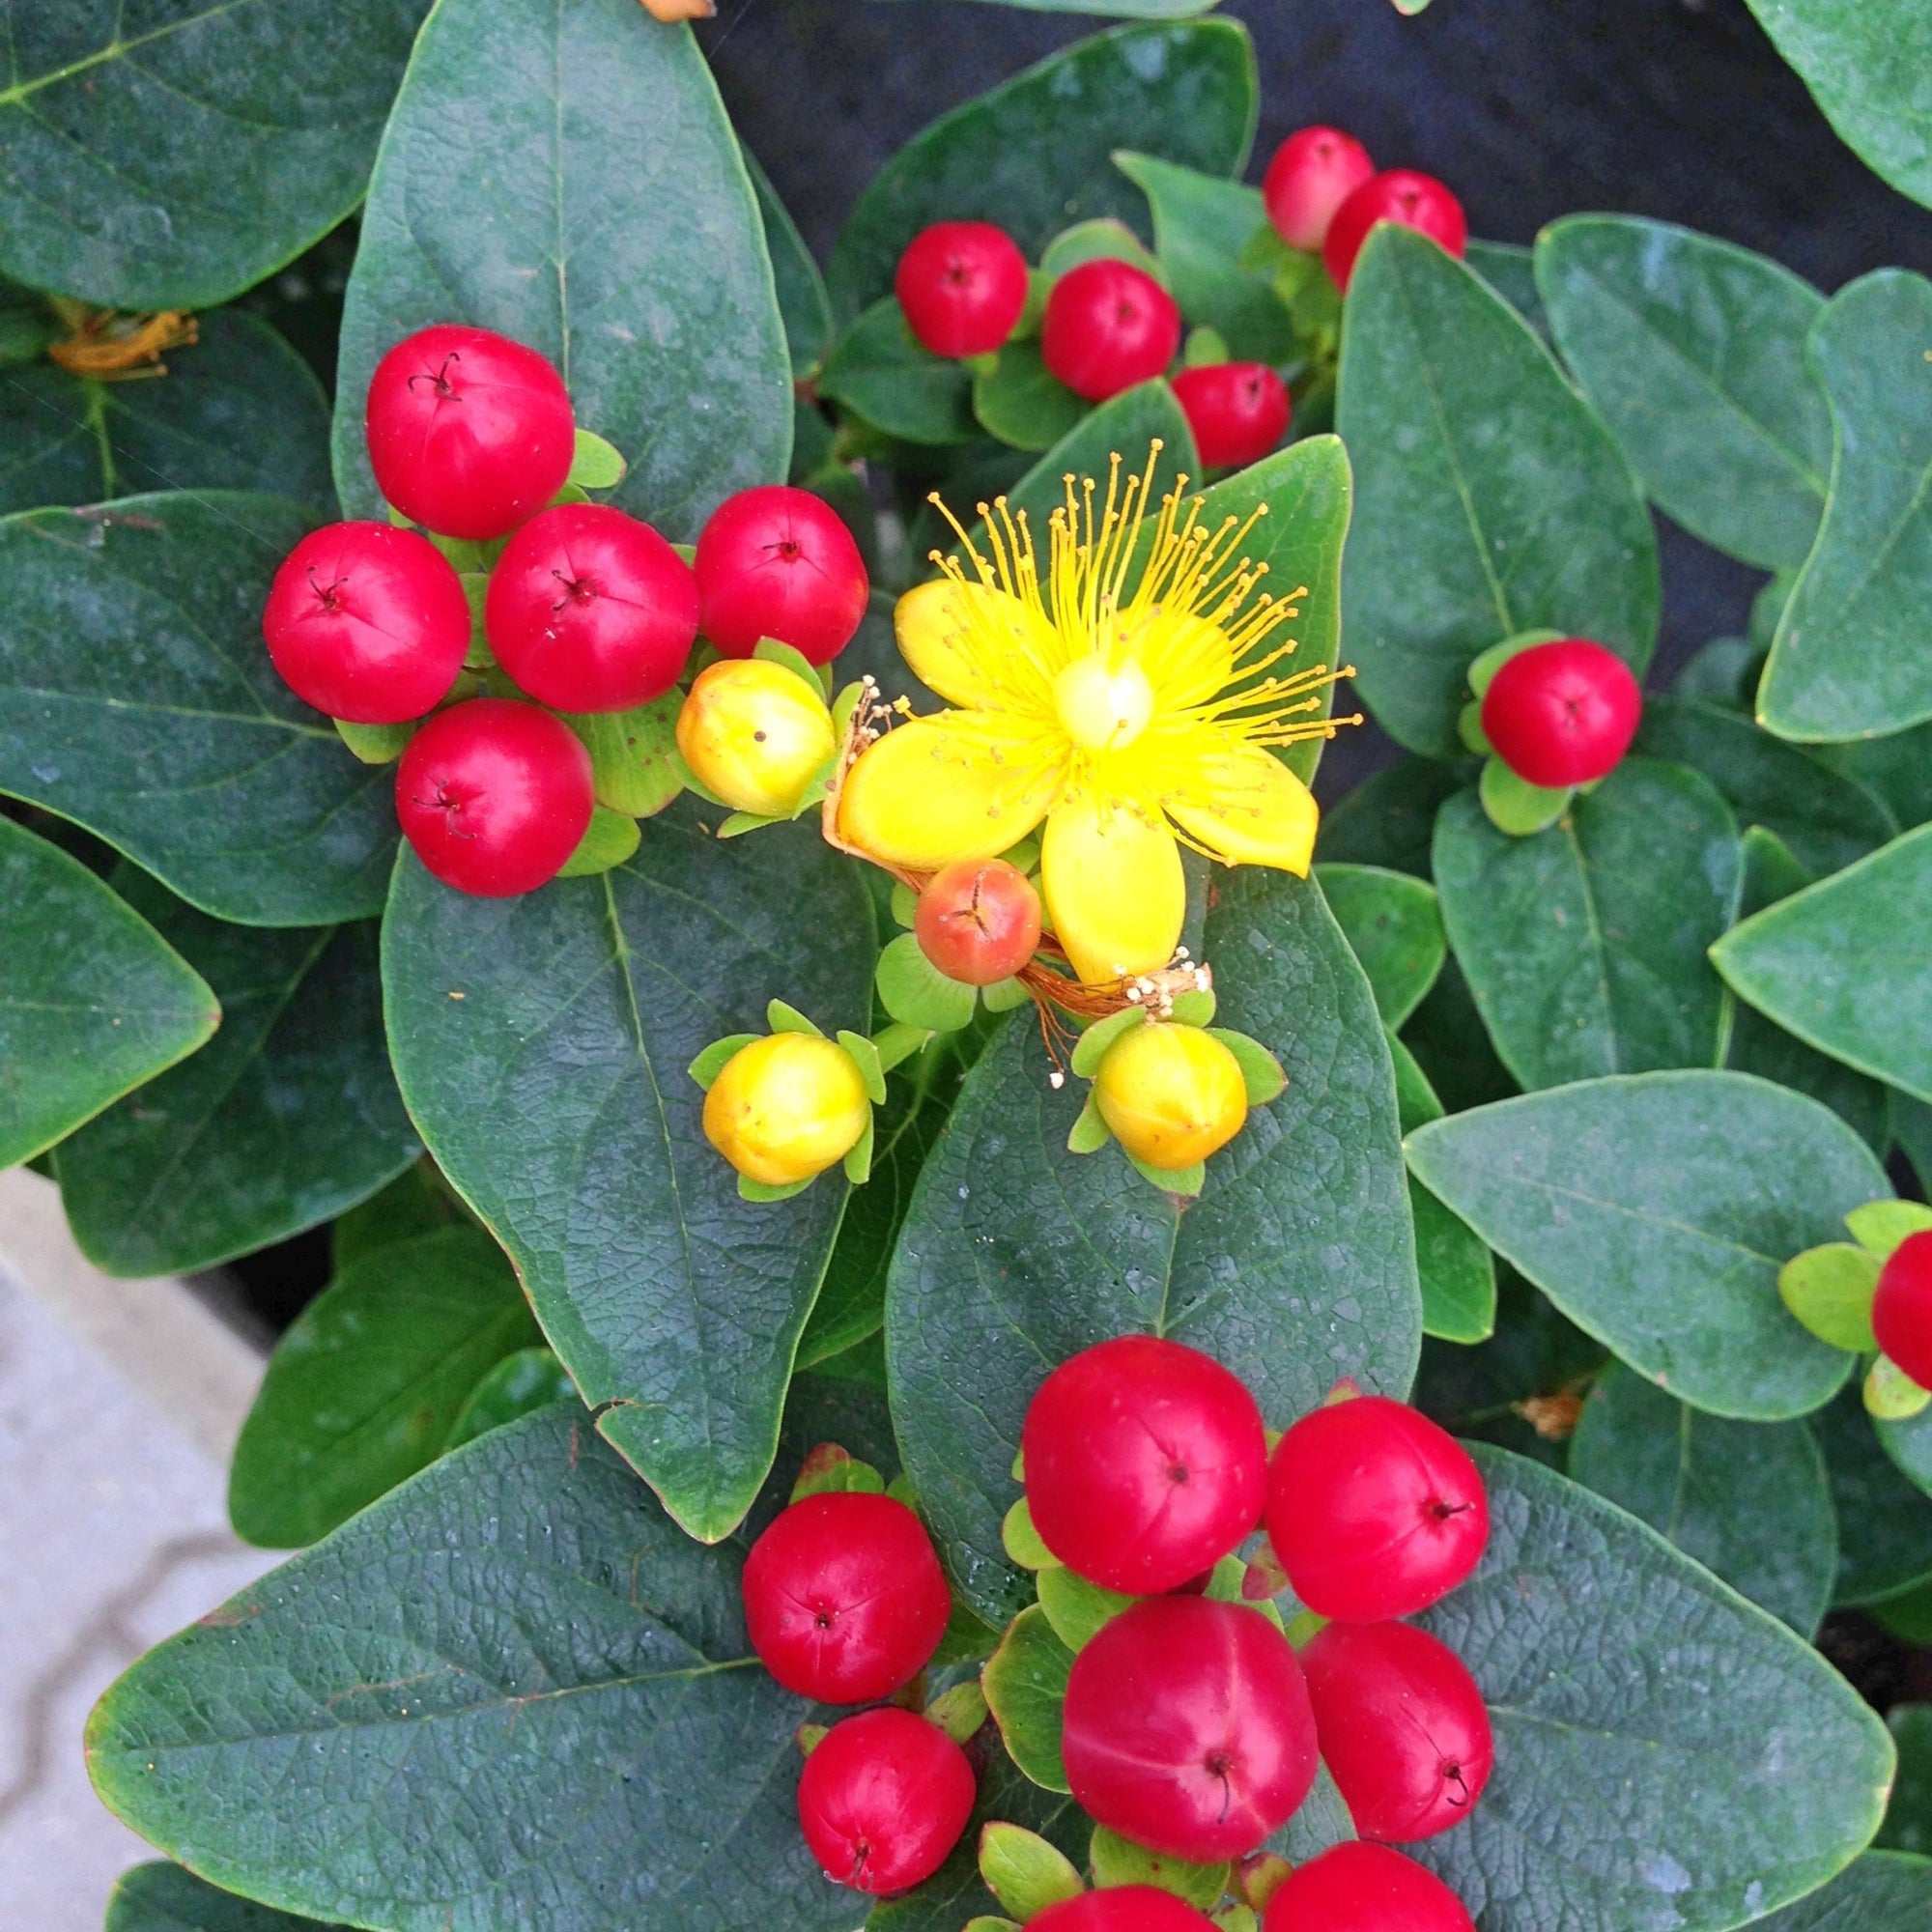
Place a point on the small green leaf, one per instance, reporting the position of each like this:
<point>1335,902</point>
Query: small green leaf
<point>832,1472</point>
<point>866,1058</point>
<point>1025,1681</point>
<point>1194,1007</point>
<point>597,465</point>
<point>1881,1224</point>
<point>773,650</point>
<point>1891,1395</point>
<point>611,839</point>
<point>916,993</point>
<point>1830,1289</point>
<point>1022,402</point>
<point>1090,1048</point>
<point>1024,1872</point>
<point>1205,349</point>
<point>1260,1070</point>
<point>1022,1541</point>
<point>783,1018</point>
<point>1117,1862</point>
<point>1517,807</point>
<point>519,1385</point>
<point>715,1057</point>
<point>958,1712</point>
<point>1182,1182</point>
<point>375,743</point>
<point>1077,1609</point>
<point>1103,239</point>
<point>905,904</point>
<point>633,763</point>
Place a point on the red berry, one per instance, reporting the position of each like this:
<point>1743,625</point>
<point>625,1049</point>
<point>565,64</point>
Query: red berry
<point>1364,1887</point>
<point>1312,173</point>
<point>1402,1726</point>
<point>1403,196</point>
<point>1145,1463</point>
<point>1562,714</point>
<point>978,920</point>
<point>494,796</point>
<point>367,623</point>
<point>1902,1307</point>
<point>1122,1907</point>
<point>778,562</point>
<point>1108,326</point>
<point>883,1799</point>
<point>469,432</point>
<point>844,1598</point>
<point>962,285</point>
<point>1238,411</point>
<point>1187,1727</point>
<point>590,610</point>
<point>1374,1511</point>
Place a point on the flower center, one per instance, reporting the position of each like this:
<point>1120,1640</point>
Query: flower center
<point>1104,707</point>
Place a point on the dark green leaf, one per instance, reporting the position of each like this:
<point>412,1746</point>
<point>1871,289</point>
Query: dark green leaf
<point>161,1897</point>
<point>1883,1891</point>
<point>1035,154</point>
<point>1749,1500</point>
<point>1511,271</point>
<point>286,1117</point>
<point>801,288</point>
<point>1908,1818</point>
<point>1389,820</point>
<point>1667,1755</point>
<point>1725,671</point>
<point>519,1385</point>
<point>417,1201</point>
<point>1693,351</point>
<point>1491,500</point>
<point>1451,1045</point>
<point>1655,1209</point>
<point>1909,1444</point>
<point>136,700</point>
<point>566,174</point>
<point>1295,1266</point>
<point>877,368</point>
<point>473,1705</point>
<point>1394,925</point>
<point>554,1094</point>
<point>171,156</point>
<point>240,410</point>
<point>1454,1265</point>
<point>1885,1523</point>
<point>1201,225</point>
<point>1846,660</point>
<point>93,1000</point>
<point>364,1388</point>
<point>1117,9</point>
<point>1585,944</point>
<point>1846,965</point>
<point>1896,769</point>
<point>1023,403</point>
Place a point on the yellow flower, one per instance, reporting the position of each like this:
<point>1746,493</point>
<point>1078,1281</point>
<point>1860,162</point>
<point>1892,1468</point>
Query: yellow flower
<point>1131,698</point>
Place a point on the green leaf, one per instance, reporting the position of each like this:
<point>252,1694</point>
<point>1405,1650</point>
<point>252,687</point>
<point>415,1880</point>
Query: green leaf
<point>611,839</point>
<point>364,1389</point>
<point>417,1201</point>
<point>1036,152</point>
<point>1865,63</point>
<point>519,1385</point>
<point>1846,964</point>
<point>1201,225</point>
<point>566,174</point>
<point>1654,1211</point>
<point>1023,403</point>
<point>1117,9</point>
<point>1882,1892</point>
<point>1880,1226</point>
<point>1515,807</point>
<point>633,761</point>
<point>877,368</point>
<point>375,743</point>
<point>1585,945</point>
<point>916,993</point>
<point>287,1116</point>
<point>1393,924</point>
<point>1491,499</point>
<point>1749,1500</point>
<point>1025,1681</point>
<point>1885,1520</point>
<point>1649,1723</point>
<point>1105,238</point>
<point>137,701</point>
<point>1452,1261</point>
<point>597,465</point>
<point>162,1897</point>
<point>525,1632</point>
<point>170,160</point>
<point>238,410</point>
<point>1077,1609</point>
<point>1846,660</point>
<point>1829,1290</point>
<point>1115,1861</point>
<point>1896,769</point>
<point>1389,819</point>
<point>1016,1253</point>
<point>801,288</point>
<point>1908,1818</point>
<point>93,1000</point>
<point>1909,1444</point>
<point>1694,352</point>
<point>1023,1871</point>
<point>1511,271</point>
<point>555,1097</point>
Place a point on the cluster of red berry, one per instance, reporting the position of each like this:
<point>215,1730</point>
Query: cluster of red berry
<point>1323,194</point>
<point>1561,713</point>
<point>576,606</point>
<point>1191,1726</point>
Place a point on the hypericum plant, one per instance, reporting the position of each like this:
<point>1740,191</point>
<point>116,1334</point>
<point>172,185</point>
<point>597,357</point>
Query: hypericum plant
<point>858,725</point>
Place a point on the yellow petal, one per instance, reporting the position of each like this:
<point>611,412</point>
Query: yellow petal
<point>974,646</point>
<point>1246,807</point>
<point>1114,888</point>
<point>936,789</point>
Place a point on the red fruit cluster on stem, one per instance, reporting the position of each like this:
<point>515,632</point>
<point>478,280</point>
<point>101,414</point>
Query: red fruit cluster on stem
<point>963,287</point>
<point>1187,1727</point>
<point>1108,325</point>
<point>1562,713</point>
<point>1312,173</point>
<point>778,562</point>
<point>883,1798</point>
<point>1364,1887</point>
<point>978,920</point>
<point>1238,411</point>
<point>1902,1307</point>
<point>1122,1907</point>
<point>844,1598</point>
<point>1401,195</point>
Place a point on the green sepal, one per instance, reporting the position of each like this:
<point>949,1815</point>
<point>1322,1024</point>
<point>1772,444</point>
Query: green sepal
<point>596,465</point>
<point>979,367</point>
<point>1100,238</point>
<point>1225,1581</point>
<point>1004,995</point>
<point>1484,667</point>
<point>1829,1290</point>
<point>689,553</point>
<point>1260,1072</point>
<point>1023,856</point>
<point>902,1491</point>
<point>476,589</point>
<point>1205,347</point>
<point>1305,1628</point>
<point>1019,1466</point>
<point>1023,1871</point>
<point>815,787</point>
<point>958,1712</point>
<point>609,840</point>
<point>916,993</point>
<point>987,1922</point>
<point>809,1737</point>
<point>905,904</point>
<point>375,743</point>
<point>1090,1048</point>
<point>1040,285</point>
<point>1469,728</point>
<point>1118,1862</point>
<point>781,1018</point>
<point>1078,1610</point>
<point>1089,1133</point>
<point>1515,805</point>
<point>633,763</point>
<point>1021,1541</point>
<point>1243,1917</point>
<point>859,1161</point>
<point>1196,1006</point>
<point>686,780</point>
<point>741,822</point>
<point>865,1056</point>
<point>1265,251</point>
<point>1186,1182</point>
<point>1891,1395</point>
<point>568,493</point>
<point>1879,1226</point>
<point>899,1042</point>
<point>830,1470</point>
<point>759,1190</point>
<point>772,651</point>
<point>719,1055</point>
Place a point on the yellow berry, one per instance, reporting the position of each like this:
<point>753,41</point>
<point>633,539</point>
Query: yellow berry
<point>753,734</point>
<point>786,1107</point>
<point>1172,1095</point>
